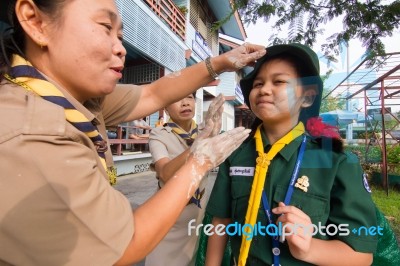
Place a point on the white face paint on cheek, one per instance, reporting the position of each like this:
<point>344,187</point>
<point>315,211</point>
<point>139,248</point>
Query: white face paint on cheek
<point>293,93</point>
<point>174,74</point>
<point>294,100</point>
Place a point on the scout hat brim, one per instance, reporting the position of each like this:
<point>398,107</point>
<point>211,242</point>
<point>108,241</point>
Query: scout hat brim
<point>308,59</point>
<point>4,11</point>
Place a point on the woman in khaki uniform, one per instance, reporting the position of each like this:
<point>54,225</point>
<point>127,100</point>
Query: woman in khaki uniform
<point>169,146</point>
<point>60,62</point>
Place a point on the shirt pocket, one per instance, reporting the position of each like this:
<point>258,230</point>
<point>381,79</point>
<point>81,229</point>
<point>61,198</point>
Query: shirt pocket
<point>315,206</point>
<point>240,191</point>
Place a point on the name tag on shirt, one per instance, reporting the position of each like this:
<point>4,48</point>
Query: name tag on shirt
<point>242,171</point>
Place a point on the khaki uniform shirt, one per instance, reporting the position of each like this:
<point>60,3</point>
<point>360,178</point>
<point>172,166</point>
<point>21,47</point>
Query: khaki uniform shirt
<point>337,193</point>
<point>57,206</point>
<point>177,247</point>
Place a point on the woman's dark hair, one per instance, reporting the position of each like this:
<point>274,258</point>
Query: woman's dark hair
<point>12,36</point>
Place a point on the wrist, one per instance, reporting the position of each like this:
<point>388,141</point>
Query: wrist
<point>200,165</point>
<point>210,65</point>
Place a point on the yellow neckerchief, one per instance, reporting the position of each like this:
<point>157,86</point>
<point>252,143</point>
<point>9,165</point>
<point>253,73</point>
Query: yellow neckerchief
<point>24,74</point>
<point>263,161</point>
<point>190,136</point>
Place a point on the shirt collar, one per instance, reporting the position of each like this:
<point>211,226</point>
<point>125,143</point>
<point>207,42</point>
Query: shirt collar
<point>286,152</point>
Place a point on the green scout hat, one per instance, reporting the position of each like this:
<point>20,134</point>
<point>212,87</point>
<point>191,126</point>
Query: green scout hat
<point>4,11</point>
<point>308,59</point>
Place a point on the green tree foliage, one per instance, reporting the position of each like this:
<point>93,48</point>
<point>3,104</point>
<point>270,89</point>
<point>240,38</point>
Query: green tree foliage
<point>330,103</point>
<point>369,21</point>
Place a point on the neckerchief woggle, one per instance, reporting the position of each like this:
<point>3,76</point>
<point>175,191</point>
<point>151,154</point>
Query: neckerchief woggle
<point>24,74</point>
<point>263,161</point>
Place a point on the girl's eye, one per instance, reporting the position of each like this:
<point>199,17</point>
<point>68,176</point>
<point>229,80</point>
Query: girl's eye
<point>280,81</point>
<point>257,84</point>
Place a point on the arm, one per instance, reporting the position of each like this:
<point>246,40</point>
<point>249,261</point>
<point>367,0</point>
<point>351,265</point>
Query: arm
<point>141,124</point>
<point>178,85</point>
<point>145,125</point>
<point>335,252</point>
<point>154,218</point>
<point>166,168</point>
<point>216,243</point>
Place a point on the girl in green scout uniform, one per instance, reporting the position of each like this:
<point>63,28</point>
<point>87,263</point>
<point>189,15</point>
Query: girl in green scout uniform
<point>290,195</point>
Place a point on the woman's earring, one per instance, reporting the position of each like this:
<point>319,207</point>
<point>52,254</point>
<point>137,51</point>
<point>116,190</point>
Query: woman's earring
<point>41,44</point>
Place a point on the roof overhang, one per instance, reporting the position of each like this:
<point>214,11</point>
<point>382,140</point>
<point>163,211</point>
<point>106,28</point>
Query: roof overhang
<point>234,26</point>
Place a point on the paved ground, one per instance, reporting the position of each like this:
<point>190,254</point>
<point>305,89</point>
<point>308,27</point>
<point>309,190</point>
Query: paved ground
<point>139,187</point>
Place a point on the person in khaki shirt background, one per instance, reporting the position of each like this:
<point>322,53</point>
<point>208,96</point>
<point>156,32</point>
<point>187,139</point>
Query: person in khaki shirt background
<point>59,65</point>
<point>169,146</point>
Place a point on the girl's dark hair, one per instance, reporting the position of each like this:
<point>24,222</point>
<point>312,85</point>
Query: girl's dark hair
<point>12,36</point>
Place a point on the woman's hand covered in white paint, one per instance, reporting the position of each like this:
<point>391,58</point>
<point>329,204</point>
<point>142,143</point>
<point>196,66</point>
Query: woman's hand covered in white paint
<point>245,55</point>
<point>210,152</point>
<point>213,117</point>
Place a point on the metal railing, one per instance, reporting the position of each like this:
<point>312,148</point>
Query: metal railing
<point>170,14</point>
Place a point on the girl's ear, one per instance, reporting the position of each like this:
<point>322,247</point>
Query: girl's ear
<point>308,97</point>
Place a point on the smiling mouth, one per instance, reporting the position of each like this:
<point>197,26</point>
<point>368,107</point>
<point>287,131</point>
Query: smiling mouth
<point>264,103</point>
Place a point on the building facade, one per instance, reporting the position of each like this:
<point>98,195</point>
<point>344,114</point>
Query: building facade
<point>163,36</point>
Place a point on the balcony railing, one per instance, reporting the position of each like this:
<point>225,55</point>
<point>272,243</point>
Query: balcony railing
<point>170,14</point>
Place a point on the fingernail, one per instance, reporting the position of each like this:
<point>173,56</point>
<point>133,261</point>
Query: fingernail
<point>247,131</point>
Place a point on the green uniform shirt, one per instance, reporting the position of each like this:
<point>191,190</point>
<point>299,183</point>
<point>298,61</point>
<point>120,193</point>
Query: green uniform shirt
<point>337,194</point>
